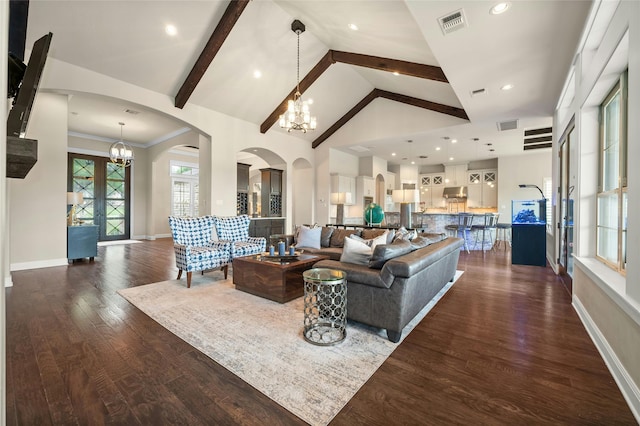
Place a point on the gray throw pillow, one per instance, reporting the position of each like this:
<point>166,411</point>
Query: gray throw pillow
<point>420,242</point>
<point>325,236</point>
<point>384,252</point>
<point>309,237</point>
<point>355,251</point>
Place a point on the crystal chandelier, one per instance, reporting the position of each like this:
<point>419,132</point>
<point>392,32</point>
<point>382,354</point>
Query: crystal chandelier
<point>297,116</point>
<point>120,152</point>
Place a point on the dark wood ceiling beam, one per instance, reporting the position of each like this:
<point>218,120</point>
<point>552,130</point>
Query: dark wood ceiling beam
<point>348,116</point>
<point>325,62</point>
<point>421,103</point>
<point>219,35</point>
<point>413,69</point>
<point>377,93</point>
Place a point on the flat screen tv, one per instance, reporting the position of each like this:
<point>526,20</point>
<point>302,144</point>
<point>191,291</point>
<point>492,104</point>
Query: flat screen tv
<point>19,114</point>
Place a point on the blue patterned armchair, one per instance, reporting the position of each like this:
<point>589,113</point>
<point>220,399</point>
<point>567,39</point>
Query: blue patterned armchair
<point>235,229</point>
<point>194,247</point>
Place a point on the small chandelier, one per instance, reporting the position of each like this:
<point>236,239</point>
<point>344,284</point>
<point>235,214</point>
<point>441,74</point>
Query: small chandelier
<point>297,116</point>
<point>120,152</point>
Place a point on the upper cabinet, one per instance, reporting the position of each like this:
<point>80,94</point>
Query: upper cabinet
<point>455,175</point>
<point>482,188</point>
<point>340,183</point>
<point>365,187</point>
<point>431,187</point>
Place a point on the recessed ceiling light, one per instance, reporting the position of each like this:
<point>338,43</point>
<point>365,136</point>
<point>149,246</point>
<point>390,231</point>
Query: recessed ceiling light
<point>310,101</point>
<point>257,74</point>
<point>437,148</point>
<point>171,30</point>
<point>396,73</point>
<point>500,8</point>
<point>393,154</point>
<point>507,87</point>
<point>454,140</point>
<point>353,27</point>
<point>450,158</point>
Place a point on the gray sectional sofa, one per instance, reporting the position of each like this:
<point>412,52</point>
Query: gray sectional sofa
<point>400,279</point>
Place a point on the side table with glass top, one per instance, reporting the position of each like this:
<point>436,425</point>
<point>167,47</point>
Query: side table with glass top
<point>325,306</point>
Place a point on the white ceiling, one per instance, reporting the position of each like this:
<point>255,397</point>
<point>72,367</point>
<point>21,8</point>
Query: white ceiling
<point>530,46</point>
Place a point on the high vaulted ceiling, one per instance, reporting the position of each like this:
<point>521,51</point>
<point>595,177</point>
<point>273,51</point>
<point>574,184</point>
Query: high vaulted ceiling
<point>530,46</point>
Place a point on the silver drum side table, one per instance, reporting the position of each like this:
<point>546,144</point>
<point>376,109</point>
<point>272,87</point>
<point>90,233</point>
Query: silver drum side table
<point>325,306</point>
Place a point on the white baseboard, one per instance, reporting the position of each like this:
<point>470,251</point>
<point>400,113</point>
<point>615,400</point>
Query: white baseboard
<point>150,237</point>
<point>38,264</point>
<point>629,389</point>
<point>8,281</point>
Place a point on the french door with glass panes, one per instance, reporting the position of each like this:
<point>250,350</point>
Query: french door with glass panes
<point>105,187</point>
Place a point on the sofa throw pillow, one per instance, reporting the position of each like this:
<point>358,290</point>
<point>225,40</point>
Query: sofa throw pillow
<point>355,251</point>
<point>420,242</point>
<point>325,236</point>
<point>372,242</point>
<point>309,237</point>
<point>369,234</point>
<point>338,236</point>
<point>405,234</point>
<point>384,252</point>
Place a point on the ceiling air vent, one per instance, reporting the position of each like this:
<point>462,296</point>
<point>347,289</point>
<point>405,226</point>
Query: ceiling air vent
<point>507,125</point>
<point>478,92</point>
<point>131,111</point>
<point>452,22</point>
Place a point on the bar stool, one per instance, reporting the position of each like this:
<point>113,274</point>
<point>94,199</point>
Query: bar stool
<point>503,235</point>
<point>465,220</point>
<point>489,225</point>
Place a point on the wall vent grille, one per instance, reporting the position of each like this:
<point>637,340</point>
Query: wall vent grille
<point>538,138</point>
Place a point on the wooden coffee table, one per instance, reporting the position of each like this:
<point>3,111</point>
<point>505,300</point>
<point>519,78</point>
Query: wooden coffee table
<point>272,279</point>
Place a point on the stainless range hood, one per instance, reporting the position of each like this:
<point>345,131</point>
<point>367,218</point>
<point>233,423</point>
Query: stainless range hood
<point>457,192</point>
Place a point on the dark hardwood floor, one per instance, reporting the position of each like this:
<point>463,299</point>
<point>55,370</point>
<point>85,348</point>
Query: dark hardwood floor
<point>504,346</point>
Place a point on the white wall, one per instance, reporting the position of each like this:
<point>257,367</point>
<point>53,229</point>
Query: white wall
<point>38,203</point>
<point>528,168</point>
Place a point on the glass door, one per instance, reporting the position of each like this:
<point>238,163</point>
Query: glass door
<point>105,187</point>
<point>566,204</point>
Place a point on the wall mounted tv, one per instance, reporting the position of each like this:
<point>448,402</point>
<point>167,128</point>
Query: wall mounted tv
<point>26,93</point>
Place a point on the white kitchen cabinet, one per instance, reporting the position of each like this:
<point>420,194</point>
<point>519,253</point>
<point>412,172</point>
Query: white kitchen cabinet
<point>455,175</point>
<point>365,187</point>
<point>431,187</point>
<point>482,188</point>
<point>340,183</point>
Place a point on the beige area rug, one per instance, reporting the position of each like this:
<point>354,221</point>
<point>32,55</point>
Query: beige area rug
<point>261,342</point>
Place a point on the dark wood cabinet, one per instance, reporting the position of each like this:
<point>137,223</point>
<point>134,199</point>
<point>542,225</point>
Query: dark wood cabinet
<point>266,227</point>
<point>271,197</point>
<point>242,188</point>
<point>243,177</point>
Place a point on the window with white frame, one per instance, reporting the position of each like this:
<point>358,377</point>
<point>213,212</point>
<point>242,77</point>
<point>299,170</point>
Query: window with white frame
<point>611,235</point>
<point>184,189</point>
